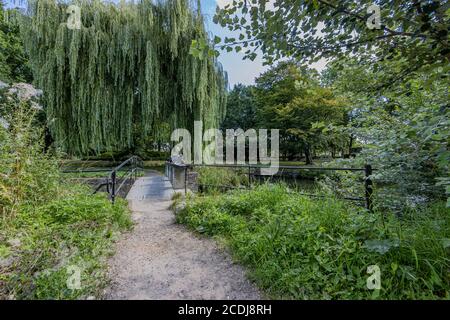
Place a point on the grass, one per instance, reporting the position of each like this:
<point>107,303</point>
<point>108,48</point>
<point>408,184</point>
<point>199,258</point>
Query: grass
<point>99,174</point>
<point>154,163</point>
<point>81,174</point>
<point>301,248</point>
<point>215,180</point>
<point>43,245</point>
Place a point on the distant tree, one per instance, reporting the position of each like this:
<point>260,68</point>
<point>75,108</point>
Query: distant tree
<point>13,60</point>
<point>291,99</point>
<point>241,108</point>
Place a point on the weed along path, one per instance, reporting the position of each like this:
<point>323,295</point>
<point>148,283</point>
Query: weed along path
<point>160,259</point>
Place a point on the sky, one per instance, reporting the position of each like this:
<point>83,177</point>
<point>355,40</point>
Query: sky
<point>239,71</point>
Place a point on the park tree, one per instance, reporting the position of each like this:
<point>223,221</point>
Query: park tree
<point>123,66</point>
<point>290,98</point>
<point>404,130</point>
<point>241,108</point>
<point>13,60</point>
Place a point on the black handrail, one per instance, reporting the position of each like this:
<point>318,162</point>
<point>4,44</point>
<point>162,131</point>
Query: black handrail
<point>135,164</point>
<point>132,166</point>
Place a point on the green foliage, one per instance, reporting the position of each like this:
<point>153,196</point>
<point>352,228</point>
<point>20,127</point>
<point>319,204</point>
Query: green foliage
<point>241,109</point>
<point>125,75</point>
<point>290,98</point>
<point>299,248</point>
<point>413,33</point>
<point>214,179</point>
<point>404,131</point>
<point>27,174</point>
<point>13,60</point>
<point>73,229</point>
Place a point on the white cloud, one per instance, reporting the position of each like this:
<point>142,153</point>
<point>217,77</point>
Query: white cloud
<point>223,3</point>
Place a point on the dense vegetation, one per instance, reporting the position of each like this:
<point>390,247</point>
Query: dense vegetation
<point>13,60</point>
<point>384,91</point>
<point>300,248</point>
<point>50,229</point>
<point>414,33</point>
<point>383,95</point>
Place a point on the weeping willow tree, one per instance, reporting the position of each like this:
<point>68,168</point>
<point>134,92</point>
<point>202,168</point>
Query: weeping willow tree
<point>127,70</point>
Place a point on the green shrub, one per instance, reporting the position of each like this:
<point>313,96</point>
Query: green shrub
<point>302,248</point>
<point>27,174</point>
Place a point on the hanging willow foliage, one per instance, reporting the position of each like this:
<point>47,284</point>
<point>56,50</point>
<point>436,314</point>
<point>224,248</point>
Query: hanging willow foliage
<point>127,70</point>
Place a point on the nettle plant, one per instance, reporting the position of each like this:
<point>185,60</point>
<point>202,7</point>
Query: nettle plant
<point>27,173</point>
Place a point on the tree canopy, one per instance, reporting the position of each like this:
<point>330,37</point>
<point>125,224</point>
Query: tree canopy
<point>129,66</point>
<point>13,60</point>
<point>241,108</point>
<point>290,98</point>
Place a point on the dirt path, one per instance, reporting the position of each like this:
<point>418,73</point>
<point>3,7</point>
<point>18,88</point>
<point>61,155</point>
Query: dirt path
<point>160,259</point>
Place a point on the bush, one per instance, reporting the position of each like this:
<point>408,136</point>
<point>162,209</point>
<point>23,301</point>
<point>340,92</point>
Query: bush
<point>300,248</point>
<point>27,174</point>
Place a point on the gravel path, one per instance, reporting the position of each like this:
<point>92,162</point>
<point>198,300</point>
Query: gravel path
<point>162,260</point>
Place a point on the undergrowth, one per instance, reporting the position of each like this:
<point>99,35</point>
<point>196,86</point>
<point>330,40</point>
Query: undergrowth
<point>301,248</point>
<point>54,237</point>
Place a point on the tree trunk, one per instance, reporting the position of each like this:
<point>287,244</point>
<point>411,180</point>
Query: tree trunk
<point>350,145</point>
<point>48,140</point>
<point>308,155</point>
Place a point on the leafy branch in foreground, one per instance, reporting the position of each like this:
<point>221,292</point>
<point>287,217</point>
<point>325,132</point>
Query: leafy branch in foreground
<point>413,31</point>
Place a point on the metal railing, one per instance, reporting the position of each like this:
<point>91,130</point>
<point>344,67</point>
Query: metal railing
<point>117,177</point>
<point>367,199</point>
<point>129,170</point>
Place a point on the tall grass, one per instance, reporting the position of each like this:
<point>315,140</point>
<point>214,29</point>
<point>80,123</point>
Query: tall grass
<point>48,227</point>
<point>302,248</point>
<point>216,179</point>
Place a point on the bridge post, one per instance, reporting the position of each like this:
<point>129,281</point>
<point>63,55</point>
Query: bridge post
<point>113,186</point>
<point>368,184</point>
